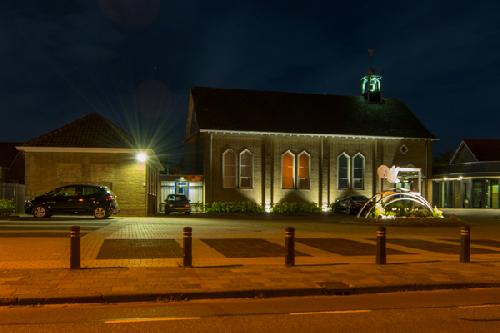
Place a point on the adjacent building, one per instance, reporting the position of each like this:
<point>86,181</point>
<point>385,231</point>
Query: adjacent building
<point>472,177</point>
<point>270,147</point>
<point>94,150</point>
<point>12,174</point>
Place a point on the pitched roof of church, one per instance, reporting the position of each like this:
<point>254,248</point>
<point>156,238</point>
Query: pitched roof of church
<point>484,150</point>
<point>281,112</point>
<point>91,131</point>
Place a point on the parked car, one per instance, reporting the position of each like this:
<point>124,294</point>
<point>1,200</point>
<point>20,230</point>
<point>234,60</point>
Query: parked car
<point>94,200</point>
<point>177,203</point>
<point>349,205</point>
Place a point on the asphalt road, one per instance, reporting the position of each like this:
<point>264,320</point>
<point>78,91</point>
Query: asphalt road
<point>475,310</point>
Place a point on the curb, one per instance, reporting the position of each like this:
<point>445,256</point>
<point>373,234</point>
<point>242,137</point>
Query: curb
<point>262,293</point>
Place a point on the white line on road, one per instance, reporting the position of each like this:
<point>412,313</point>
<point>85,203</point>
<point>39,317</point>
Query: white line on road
<point>479,306</point>
<point>330,312</point>
<point>145,320</point>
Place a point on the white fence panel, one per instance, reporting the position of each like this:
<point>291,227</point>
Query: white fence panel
<point>14,192</point>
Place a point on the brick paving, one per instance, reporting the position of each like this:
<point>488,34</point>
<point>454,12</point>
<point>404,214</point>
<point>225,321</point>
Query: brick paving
<point>139,249</point>
<point>345,247</point>
<point>484,242</point>
<point>49,285</point>
<point>247,248</point>
<point>439,247</point>
<point>136,260</point>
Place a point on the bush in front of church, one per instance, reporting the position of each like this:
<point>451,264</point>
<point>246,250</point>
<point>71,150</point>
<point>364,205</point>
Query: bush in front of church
<point>291,208</point>
<point>219,207</point>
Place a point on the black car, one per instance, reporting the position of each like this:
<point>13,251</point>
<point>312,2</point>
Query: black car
<point>177,203</point>
<point>75,199</point>
<point>349,205</point>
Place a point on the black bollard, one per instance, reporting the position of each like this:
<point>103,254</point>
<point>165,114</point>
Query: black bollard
<point>290,246</point>
<point>74,248</point>
<point>380,256</point>
<point>465,244</point>
<point>188,247</point>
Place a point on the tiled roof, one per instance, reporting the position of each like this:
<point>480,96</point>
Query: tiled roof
<point>91,131</point>
<point>485,150</point>
<point>264,111</point>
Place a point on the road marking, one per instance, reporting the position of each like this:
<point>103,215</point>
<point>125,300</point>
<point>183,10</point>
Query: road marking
<point>330,312</point>
<point>146,320</point>
<point>479,306</point>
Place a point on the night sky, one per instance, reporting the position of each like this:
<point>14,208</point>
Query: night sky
<point>135,60</point>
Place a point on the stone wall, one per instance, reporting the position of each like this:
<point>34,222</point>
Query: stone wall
<point>120,172</point>
<point>268,149</point>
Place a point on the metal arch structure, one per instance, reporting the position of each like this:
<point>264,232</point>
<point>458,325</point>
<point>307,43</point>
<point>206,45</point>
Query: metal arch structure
<point>392,197</point>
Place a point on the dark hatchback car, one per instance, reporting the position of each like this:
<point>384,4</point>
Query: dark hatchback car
<point>349,205</point>
<point>75,199</point>
<point>177,203</point>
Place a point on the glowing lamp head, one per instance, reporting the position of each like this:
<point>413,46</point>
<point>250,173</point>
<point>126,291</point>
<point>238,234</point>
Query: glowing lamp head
<point>141,157</point>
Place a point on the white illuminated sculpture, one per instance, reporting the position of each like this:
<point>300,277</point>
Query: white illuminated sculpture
<point>380,204</point>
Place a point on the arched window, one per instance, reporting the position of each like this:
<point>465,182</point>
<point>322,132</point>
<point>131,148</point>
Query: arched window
<point>288,170</point>
<point>343,171</point>
<point>303,172</point>
<point>229,169</point>
<point>358,171</point>
<point>246,169</point>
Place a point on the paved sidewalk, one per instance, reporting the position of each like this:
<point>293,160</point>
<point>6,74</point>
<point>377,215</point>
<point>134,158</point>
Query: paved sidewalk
<point>45,286</point>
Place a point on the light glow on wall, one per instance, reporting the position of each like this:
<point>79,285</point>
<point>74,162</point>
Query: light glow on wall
<point>267,207</point>
<point>141,157</point>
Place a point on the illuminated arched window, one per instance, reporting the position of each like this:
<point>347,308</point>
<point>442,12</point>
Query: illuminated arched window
<point>358,172</point>
<point>303,171</point>
<point>288,170</point>
<point>343,171</point>
<point>229,169</point>
<point>246,169</point>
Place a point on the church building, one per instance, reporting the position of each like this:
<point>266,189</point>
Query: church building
<point>269,147</point>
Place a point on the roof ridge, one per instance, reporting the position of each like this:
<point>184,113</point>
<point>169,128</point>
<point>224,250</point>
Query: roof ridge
<point>79,128</point>
<point>288,92</point>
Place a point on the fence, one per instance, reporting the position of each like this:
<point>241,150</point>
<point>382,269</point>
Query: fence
<point>13,191</point>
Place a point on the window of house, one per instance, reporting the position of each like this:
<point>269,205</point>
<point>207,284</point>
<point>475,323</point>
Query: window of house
<point>288,170</point>
<point>343,171</point>
<point>246,169</point>
<point>358,171</point>
<point>303,172</point>
<point>229,169</point>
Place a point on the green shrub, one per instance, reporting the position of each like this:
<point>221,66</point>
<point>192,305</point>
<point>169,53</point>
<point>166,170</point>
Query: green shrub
<point>289,208</point>
<point>7,206</point>
<point>218,207</point>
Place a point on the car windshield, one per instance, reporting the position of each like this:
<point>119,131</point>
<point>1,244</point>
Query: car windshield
<point>359,198</point>
<point>176,197</point>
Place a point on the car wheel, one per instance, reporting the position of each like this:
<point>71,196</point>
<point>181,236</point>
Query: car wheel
<point>40,211</point>
<point>187,213</point>
<point>100,213</point>
<point>167,212</point>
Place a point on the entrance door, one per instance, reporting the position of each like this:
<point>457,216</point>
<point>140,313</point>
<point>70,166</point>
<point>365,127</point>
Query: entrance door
<point>477,194</point>
<point>181,187</point>
<point>494,186</point>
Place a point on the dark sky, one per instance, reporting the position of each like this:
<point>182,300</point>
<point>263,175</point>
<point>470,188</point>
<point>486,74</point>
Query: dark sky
<point>135,60</point>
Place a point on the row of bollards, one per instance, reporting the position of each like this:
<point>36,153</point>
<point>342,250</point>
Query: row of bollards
<point>380,252</point>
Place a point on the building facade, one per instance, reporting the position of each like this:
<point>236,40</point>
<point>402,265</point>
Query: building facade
<point>270,147</point>
<point>472,177</point>
<point>93,150</point>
